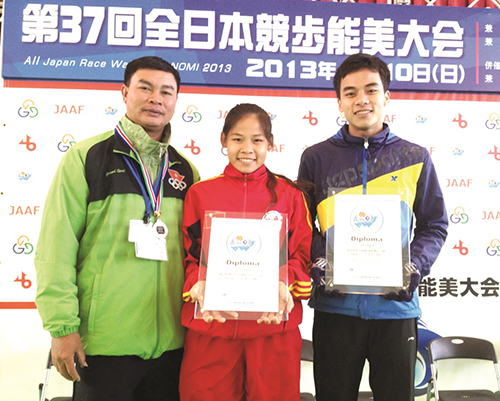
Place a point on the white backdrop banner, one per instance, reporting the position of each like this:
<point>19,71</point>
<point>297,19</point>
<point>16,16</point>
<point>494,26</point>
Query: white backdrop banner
<point>42,119</point>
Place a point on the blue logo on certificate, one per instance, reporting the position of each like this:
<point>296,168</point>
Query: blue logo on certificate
<point>243,243</point>
<point>366,219</point>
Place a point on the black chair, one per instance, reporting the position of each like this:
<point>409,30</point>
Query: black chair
<point>42,387</point>
<point>461,348</point>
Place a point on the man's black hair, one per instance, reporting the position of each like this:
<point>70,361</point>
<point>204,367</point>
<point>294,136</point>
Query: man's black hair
<point>361,61</point>
<point>150,63</point>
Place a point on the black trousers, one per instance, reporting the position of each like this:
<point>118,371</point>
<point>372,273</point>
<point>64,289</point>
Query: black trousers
<point>342,344</point>
<point>129,378</point>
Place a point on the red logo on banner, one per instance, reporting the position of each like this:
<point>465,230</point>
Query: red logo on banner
<point>195,150</point>
<point>461,183</point>
<point>278,148</point>
<point>63,109</point>
<point>312,120</point>
<point>31,146</point>
<point>495,153</point>
<point>24,211</point>
<point>491,215</point>
<point>26,283</point>
<point>461,123</point>
<point>461,248</point>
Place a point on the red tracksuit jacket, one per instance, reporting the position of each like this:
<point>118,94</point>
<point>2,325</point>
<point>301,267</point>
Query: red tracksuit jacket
<point>236,192</point>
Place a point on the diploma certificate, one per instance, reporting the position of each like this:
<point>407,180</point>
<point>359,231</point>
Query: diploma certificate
<point>367,248</point>
<point>367,241</point>
<point>243,266</point>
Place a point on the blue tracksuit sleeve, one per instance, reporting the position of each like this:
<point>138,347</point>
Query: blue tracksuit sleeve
<point>431,219</point>
<point>306,173</point>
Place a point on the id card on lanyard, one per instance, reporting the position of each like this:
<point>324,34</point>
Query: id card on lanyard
<point>150,233</point>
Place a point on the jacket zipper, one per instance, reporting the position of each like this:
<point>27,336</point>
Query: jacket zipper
<point>245,192</point>
<point>158,274</point>
<point>366,144</point>
<point>245,195</point>
<point>365,164</point>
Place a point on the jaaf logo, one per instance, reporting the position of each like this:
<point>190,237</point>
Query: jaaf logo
<point>26,283</point>
<point>312,120</point>
<point>491,215</point>
<point>459,216</point>
<point>28,109</point>
<point>458,183</point>
<point>176,180</point>
<point>494,248</point>
<point>461,122</point>
<point>493,121</point>
<point>24,177</point>
<point>23,246</point>
<point>458,152</point>
<point>420,119</point>
<point>71,109</point>
<point>494,184</point>
<point>461,248</point>
<point>366,219</point>
<point>110,111</point>
<point>222,114</point>
<point>243,243</point>
<point>24,211</point>
<point>67,142</point>
<point>191,114</point>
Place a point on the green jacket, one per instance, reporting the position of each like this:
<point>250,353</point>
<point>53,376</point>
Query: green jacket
<point>88,277</point>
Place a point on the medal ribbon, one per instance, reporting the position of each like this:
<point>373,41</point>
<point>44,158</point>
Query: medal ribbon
<point>154,195</point>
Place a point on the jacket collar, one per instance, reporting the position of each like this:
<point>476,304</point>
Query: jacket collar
<point>231,172</point>
<point>349,140</point>
<point>142,142</point>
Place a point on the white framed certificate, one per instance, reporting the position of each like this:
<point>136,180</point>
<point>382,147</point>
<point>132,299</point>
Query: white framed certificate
<point>243,262</point>
<point>367,249</point>
<point>367,241</point>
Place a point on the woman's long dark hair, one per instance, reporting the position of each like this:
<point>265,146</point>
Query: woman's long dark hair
<point>236,114</point>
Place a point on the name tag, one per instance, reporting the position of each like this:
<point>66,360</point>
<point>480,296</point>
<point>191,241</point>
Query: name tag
<point>150,239</point>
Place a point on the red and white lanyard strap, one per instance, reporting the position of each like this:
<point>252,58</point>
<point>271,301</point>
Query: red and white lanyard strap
<point>154,192</point>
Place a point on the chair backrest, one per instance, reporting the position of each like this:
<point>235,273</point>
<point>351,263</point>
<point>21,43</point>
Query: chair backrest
<point>461,347</point>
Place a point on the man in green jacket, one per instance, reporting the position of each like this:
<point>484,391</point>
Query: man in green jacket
<point>109,256</point>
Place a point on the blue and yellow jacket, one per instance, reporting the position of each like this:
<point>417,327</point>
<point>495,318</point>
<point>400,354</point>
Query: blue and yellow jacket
<point>385,162</point>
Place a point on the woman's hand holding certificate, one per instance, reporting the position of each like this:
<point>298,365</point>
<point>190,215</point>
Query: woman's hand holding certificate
<point>285,304</point>
<point>197,293</point>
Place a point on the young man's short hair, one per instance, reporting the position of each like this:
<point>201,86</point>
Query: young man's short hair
<point>361,61</point>
<point>150,63</point>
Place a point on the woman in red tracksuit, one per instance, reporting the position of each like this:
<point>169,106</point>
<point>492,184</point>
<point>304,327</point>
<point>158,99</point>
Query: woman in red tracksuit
<point>245,359</point>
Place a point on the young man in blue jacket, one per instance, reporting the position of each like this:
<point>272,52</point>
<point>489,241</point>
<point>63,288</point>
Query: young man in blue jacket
<point>350,328</point>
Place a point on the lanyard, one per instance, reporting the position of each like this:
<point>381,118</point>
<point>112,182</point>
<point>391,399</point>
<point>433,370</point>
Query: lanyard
<point>152,194</point>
